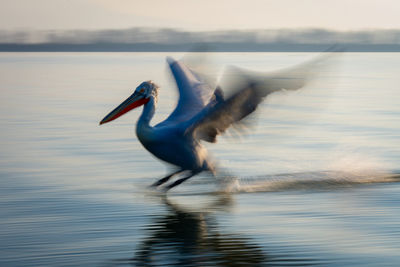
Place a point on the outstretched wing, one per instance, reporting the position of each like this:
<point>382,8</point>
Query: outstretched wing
<point>194,93</point>
<point>249,90</point>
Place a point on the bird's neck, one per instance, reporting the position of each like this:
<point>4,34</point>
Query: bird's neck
<point>143,128</point>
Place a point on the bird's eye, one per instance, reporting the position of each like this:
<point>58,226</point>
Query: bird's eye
<point>141,90</point>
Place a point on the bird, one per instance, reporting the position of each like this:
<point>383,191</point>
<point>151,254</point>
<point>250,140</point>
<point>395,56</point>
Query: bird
<point>203,112</point>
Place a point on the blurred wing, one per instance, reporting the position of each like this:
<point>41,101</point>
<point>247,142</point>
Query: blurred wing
<point>249,90</point>
<point>194,93</point>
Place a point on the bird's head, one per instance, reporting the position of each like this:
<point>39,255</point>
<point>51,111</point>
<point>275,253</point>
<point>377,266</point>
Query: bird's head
<point>143,93</point>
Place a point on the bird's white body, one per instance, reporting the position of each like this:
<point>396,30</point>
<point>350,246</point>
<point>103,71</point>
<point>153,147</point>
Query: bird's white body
<point>202,113</point>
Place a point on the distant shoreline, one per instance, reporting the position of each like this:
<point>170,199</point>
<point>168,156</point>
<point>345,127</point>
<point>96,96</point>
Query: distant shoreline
<point>175,40</point>
<point>194,47</point>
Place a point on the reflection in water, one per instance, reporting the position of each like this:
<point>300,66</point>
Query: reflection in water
<point>193,239</point>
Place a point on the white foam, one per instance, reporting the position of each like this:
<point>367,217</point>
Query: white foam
<point>325,180</point>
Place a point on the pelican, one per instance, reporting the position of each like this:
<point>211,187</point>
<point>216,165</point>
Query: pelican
<point>202,113</point>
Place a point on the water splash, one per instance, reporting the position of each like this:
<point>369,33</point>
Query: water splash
<point>324,180</point>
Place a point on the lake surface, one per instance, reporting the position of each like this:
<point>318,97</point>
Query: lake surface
<point>315,181</point>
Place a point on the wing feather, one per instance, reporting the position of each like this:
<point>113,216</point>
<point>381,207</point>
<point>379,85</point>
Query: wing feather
<point>249,90</point>
<point>194,93</point>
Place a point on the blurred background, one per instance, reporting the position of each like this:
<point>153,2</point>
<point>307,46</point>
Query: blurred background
<point>96,25</point>
<point>175,40</point>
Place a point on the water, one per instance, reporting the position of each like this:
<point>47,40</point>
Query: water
<point>314,181</point>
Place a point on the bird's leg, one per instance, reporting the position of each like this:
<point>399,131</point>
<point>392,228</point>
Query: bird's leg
<point>178,182</point>
<point>165,179</point>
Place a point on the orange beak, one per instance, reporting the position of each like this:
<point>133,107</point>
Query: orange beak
<point>134,101</point>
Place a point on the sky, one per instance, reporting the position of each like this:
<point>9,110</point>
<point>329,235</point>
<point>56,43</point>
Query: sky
<point>198,15</point>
